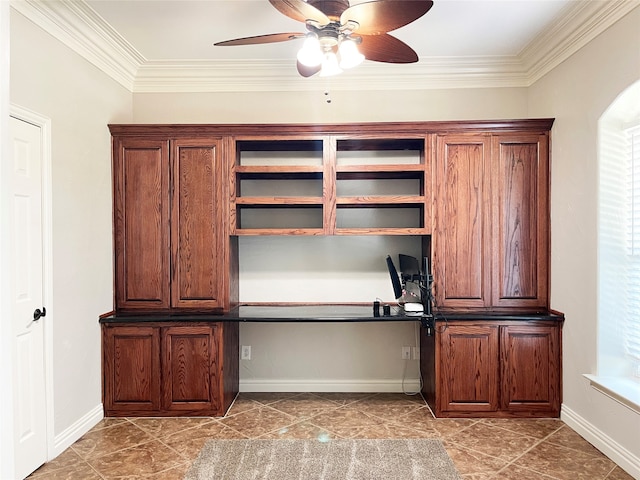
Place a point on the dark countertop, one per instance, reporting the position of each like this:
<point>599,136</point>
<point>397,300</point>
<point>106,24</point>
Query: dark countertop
<point>323,313</point>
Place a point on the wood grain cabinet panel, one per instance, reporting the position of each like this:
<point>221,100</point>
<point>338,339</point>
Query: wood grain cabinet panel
<point>530,358</point>
<point>520,220</point>
<point>470,374</point>
<point>197,225</point>
<point>141,221</point>
<point>461,240</point>
<point>190,362</point>
<point>131,369</point>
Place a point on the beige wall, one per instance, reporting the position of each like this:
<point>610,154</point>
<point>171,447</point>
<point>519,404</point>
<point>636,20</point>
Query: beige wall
<point>80,100</point>
<point>577,93</point>
<point>311,107</point>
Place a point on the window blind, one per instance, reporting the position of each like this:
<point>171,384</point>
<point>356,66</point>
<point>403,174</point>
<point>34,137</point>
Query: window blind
<point>631,323</point>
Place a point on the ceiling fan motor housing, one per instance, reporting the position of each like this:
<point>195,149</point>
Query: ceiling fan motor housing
<point>329,36</point>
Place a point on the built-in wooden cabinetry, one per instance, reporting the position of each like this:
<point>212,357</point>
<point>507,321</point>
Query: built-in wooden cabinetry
<point>494,368</point>
<point>169,368</point>
<point>476,192</point>
<point>172,255</point>
<point>491,236</point>
<point>172,250</point>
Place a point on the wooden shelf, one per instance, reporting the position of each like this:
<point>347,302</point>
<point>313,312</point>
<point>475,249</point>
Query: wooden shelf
<point>277,169</point>
<point>381,231</point>
<point>364,173</point>
<point>275,201</point>
<point>388,201</point>
<point>380,171</point>
<point>279,231</point>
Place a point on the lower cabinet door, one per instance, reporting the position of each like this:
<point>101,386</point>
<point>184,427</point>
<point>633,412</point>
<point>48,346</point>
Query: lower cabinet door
<point>499,370</point>
<point>131,370</point>
<point>469,369</point>
<point>530,359</point>
<point>189,365</point>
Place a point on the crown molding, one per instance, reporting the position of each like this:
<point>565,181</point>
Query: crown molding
<point>260,75</point>
<point>79,27</point>
<point>580,23</point>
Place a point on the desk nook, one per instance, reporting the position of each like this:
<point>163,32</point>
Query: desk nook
<point>472,197</point>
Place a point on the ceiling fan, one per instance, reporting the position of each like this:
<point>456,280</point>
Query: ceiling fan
<point>341,36</point>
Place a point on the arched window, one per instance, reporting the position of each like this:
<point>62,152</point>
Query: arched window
<point>619,246</point>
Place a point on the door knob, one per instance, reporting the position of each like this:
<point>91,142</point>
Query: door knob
<point>37,314</point>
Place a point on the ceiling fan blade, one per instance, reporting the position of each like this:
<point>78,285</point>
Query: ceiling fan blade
<point>386,48</point>
<point>271,38</point>
<point>307,71</point>
<point>301,11</point>
<point>382,16</point>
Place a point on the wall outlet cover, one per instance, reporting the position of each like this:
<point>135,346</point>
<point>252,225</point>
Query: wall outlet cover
<point>245,352</point>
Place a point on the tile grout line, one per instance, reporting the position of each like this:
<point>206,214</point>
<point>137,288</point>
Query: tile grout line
<point>508,463</point>
<point>540,441</point>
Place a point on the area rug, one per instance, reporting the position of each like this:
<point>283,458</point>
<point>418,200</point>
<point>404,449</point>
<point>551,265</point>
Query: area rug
<point>409,459</point>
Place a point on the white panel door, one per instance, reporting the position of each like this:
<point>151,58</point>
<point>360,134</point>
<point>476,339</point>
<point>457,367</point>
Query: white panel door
<point>30,407</point>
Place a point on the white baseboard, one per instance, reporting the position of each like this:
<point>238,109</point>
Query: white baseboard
<point>73,433</point>
<point>616,452</point>
<point>350,386</point>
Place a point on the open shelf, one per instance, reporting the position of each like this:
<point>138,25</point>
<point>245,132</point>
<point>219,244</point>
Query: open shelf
<point>330,185</point>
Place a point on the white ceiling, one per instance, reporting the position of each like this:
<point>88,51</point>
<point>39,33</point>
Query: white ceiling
<point>187,29</point>
<point>167,45</point>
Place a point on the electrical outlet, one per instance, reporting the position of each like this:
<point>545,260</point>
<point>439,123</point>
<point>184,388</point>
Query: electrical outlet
<point>416,353</point>
<point>245,353</point>
<point>406,353</point>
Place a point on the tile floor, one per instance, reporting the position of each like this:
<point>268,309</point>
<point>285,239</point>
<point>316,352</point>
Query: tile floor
<point>163,448</point>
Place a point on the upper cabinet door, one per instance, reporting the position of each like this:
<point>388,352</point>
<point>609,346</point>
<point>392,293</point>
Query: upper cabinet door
<point>197,224</point>
<point>141,217</point>
<point>520,220</point>
<point>461,246</point>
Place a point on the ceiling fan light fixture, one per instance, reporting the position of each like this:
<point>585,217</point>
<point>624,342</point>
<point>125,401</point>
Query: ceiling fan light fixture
<point>310,54</point>
<point>330,65</point>
<point>341,36</point>
<point>349,55</point>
